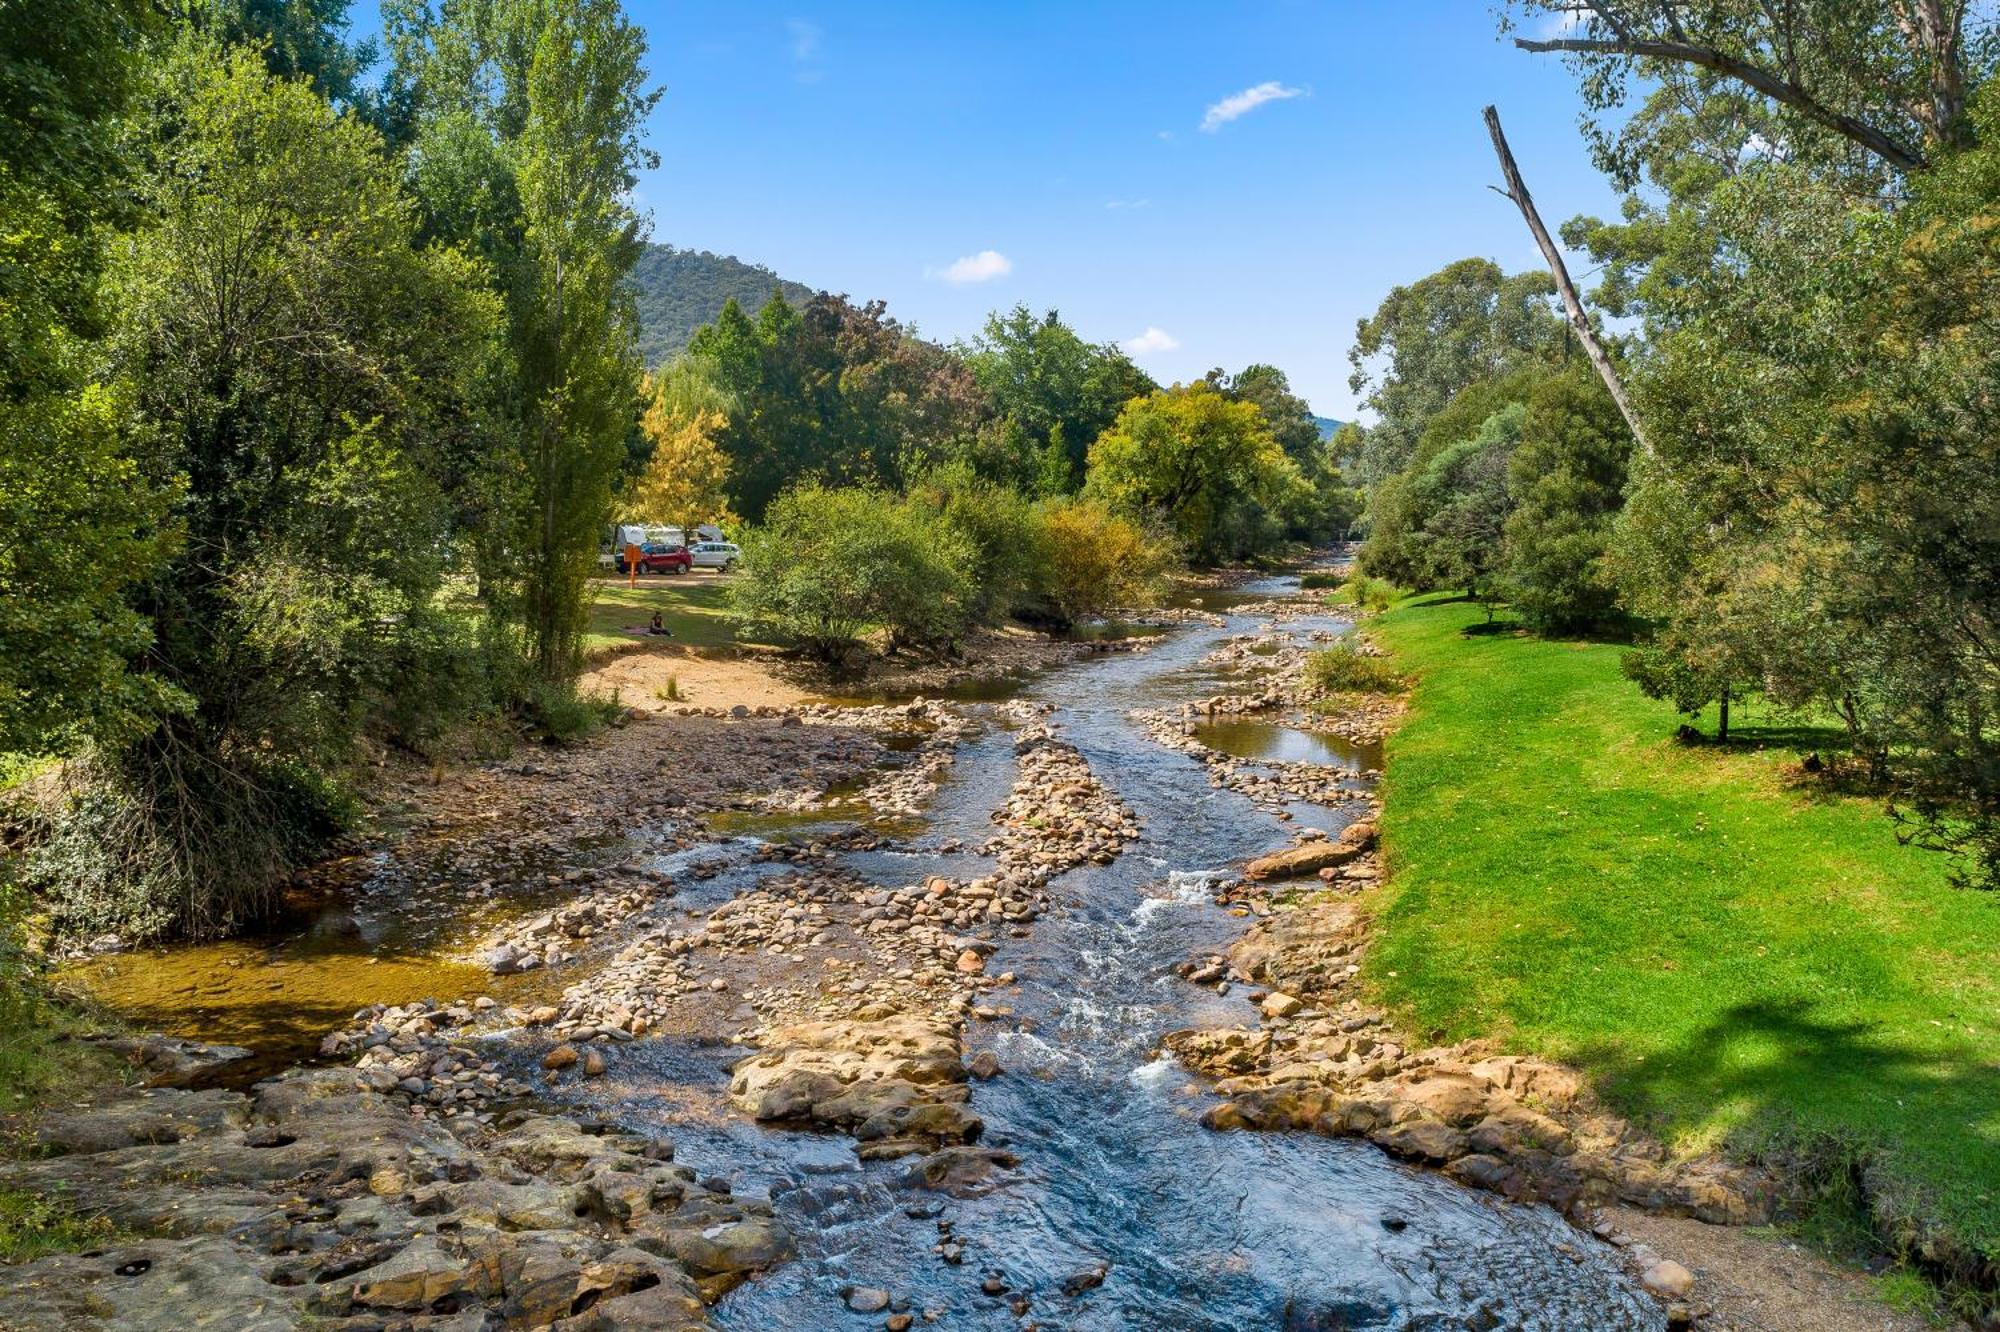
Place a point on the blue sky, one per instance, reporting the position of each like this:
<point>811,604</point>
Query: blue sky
<point>868,148</point>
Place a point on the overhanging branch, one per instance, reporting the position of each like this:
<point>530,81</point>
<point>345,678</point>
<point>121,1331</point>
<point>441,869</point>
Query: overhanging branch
<point>1755,76</point>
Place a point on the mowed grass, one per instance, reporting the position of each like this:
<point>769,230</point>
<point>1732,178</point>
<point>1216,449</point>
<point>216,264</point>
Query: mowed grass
<point>695,606</point>
<point>1738,958</point>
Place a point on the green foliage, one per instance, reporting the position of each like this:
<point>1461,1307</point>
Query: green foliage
<point>827,564</point>
<point>1346,668</point>
<point>299,39</point>
<point>163,839</point>
<point>1371,594</point>
<point>1428,341</point>
<point>1440,523</point>
<point>1817,523</point>
<point>1566,486</point>
<point>1096,560</point>
<point>678,291</point>
<point>1001,529</point>
<point>33,1225</point>
<point>836,393</point>
<point>528,117</point>
<point>78,522</point>
<point>1736,959</point>
<point>290,353</point>
<point>1057,392</point>
<point>1202,463</point>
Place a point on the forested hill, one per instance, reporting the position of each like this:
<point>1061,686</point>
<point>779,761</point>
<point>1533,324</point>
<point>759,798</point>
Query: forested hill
<point>680,290</point>
<point>1327,425</point>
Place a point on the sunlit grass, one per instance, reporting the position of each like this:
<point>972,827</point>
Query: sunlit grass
<point>1739,957</point>
<point>693,606</point>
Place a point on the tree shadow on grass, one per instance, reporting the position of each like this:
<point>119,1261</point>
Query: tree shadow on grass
<point>1828,1102</point>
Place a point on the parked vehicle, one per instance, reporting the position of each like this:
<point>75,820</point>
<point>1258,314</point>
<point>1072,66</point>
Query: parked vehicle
<point>659,557</point>
<point>723,555</point>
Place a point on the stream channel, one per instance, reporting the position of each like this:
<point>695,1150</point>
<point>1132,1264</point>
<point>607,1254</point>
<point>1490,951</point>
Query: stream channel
<point>1194,1230</point>
<point>1201,1231</point>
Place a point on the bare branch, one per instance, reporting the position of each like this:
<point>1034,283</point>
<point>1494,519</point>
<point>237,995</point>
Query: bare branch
<point>1517,190</point>
<point>1756,76</point>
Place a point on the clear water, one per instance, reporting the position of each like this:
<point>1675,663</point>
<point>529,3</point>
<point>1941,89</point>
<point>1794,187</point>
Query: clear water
<point>1202,1231</point>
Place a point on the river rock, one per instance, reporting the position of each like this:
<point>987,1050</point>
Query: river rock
<point>1668,1280</point>
<point>169,1061</point>
<point>896,1082</point>
<point>1355,841</point>
<point>867,1299</point>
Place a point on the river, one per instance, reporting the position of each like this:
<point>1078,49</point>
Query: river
<point>1194,1230</point>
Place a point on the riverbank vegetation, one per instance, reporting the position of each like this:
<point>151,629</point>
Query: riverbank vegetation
<point>323,384</point>
<point>1737,955</point>
<point>1808,337</point>
<point>1788,540</point>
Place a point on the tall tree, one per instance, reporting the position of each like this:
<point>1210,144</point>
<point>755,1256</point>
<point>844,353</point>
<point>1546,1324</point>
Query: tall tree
<point>834,392</point>
<point>539,106</point>
<point>1889,80</point>
<point>77,522</point>
<point>685,480</point>
<point>299,39</point>
<point>1059,391</point>
<point>1199,462</point>
<point>1466,322</point>
<point>293,354</point>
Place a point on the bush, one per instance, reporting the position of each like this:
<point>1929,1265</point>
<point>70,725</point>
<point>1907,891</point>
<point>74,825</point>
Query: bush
<point>1345,668</point>
<point>1094,560</point>
<point>1371,594</point>
<point>827,564</point>
<point>1003,530</point>
<point>165,838</point>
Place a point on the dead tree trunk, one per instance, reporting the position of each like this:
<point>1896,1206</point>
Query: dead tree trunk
<point>1517,190</point>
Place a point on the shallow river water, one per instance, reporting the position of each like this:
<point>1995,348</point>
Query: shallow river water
<point>1195,1230</point>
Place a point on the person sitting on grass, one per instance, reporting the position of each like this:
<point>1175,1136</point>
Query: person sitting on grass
<point>658,626</point>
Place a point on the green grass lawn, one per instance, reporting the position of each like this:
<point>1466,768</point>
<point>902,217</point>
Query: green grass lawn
<point>693,605</point>
<point>1737,958</point>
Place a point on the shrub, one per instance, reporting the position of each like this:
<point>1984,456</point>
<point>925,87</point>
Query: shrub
<point>1371,594</point>
<point>1003,531</point>
<point>829,563</point>
<point>1345,668</point>
<point>1320,578</point>
<point>165,838</point>
<point>1095,560</point>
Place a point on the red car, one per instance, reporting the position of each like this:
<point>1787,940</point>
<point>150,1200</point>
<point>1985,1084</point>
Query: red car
<point>655,557</point>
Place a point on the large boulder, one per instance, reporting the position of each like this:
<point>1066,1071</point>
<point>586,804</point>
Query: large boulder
<point>1309,858</point>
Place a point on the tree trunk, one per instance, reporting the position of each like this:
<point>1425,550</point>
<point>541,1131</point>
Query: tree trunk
<point>1517,190</point>
<point>1722,730</point>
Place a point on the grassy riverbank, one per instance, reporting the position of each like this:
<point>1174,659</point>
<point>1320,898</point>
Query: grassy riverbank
<point>1737,957</point>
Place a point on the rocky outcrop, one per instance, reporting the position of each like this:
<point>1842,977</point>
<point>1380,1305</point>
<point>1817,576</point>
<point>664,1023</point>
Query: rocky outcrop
<point>896,1083</point>
<point>169,1061</point>
<point>1314,855</point>
<point>1515,1125</point>
<point>320,1201</point>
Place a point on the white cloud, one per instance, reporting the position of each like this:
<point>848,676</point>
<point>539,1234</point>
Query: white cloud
<point>1243,103</point>
<point>1154,339</point>
<point>981,267</point>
